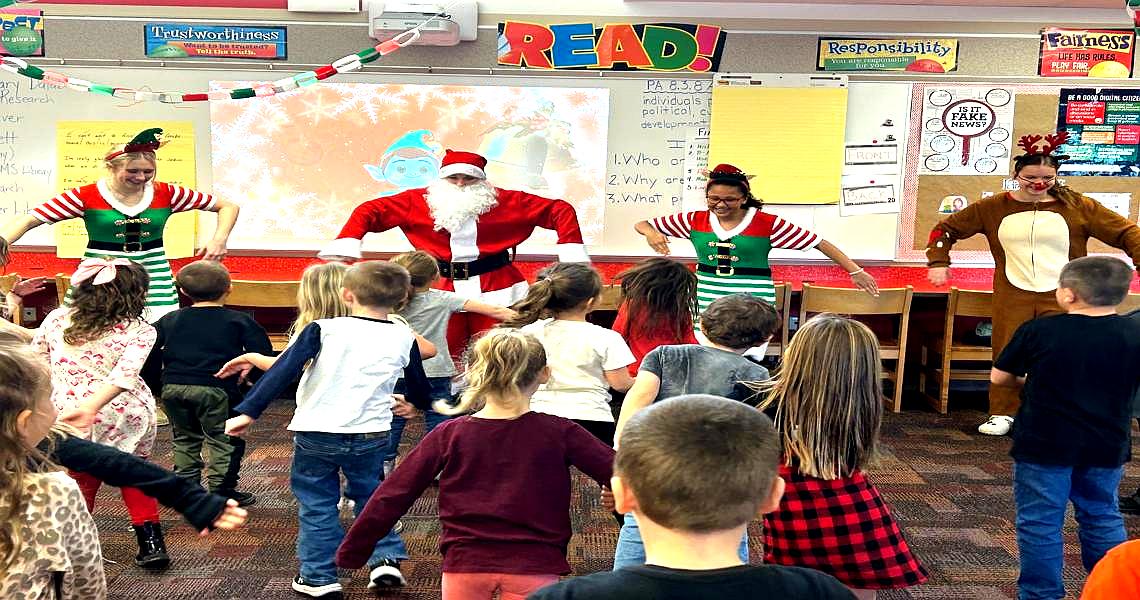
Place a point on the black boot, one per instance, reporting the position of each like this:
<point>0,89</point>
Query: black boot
<point>152,548</point>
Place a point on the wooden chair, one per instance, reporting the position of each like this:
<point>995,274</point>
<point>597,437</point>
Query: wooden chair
<point>62,283</point>
<point>783,309</point>
<point>1131,303</point>
<point>961,303</point>
<point>853,302</point>
<point>6,283</point>
<point>265,294</point>
<point>611,298</point>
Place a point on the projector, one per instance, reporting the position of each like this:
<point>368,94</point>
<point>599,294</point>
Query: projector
<point>458,23</point>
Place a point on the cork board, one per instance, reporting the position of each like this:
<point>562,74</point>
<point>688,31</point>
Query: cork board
<point>1035,112</point>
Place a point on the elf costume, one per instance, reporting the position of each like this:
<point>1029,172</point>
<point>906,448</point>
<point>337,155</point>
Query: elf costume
<point>734,261</point>
<point>1030,242</point>
<point>133,232</point>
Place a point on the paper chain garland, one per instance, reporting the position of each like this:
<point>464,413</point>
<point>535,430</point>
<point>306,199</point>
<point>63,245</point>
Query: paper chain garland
<point>352,62</point>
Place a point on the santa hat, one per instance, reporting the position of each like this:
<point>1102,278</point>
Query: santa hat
<point>462,163</point>
<point>725,173</point>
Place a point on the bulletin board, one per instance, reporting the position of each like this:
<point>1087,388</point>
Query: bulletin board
<point>1035,112</point>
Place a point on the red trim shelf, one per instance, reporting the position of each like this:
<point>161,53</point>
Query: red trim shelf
<point>285,268</point>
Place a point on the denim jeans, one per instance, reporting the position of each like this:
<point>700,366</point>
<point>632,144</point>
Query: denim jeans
<point>1041,493</point>
<point>630,551</point>
<point>440,390</point>
<point>319,459</point>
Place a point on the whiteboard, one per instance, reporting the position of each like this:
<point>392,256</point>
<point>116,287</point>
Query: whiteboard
<point>649,120</point>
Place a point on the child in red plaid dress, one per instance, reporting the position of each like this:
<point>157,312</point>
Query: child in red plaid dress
<point>828,407</point>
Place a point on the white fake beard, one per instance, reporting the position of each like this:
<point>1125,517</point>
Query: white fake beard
<point>451,206</point>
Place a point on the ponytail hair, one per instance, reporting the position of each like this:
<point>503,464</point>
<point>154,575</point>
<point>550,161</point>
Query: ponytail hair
<point>560,287</point>
<point>500,365</point>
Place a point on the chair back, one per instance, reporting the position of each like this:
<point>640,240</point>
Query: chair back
<point>62,283</point>
<point>854,302</point>
<point>7,281</point>
<point>1131,303</point>
<point>849,301</point>
<point>263,294</point>
<point>970,303</point>
<point>783,312</point>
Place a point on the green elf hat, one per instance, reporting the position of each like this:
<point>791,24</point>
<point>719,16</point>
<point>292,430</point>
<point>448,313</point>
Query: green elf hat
<point>148,140</point>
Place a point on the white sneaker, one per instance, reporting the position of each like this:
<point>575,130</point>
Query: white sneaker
<point>313,590</point>
<point>996,425</point>
<point>386,574</point>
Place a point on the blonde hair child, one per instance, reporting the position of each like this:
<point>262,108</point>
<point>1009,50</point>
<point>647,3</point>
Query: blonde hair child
<point>828,404</point>
<point>486,493</point>
<point>47,537</point>
<point>586,360</point>
<point>428,312</point>
<point>318,297</point>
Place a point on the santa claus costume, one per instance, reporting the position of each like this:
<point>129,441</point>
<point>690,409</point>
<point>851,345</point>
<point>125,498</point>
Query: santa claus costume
<point>470,229</point>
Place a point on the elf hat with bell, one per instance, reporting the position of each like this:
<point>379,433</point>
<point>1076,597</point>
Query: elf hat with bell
<point>463,163</point>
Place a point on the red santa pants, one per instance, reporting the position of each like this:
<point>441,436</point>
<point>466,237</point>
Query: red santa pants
<point>140,507</point>
<point>461,329</point>
<point>1012,308</point>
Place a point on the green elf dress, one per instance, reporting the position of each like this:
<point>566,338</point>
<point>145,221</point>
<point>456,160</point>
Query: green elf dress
<point>132,232</point>
<point>735,261</point>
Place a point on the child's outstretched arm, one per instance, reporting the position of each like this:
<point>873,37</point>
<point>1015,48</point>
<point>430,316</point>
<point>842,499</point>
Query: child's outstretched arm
<point>200,508</point>
<point>500,313</point>
<point>642,394</point>
<point>1005,378</point>
<point>619,378</point>
<point>284,371</point>
<point>392,499</point>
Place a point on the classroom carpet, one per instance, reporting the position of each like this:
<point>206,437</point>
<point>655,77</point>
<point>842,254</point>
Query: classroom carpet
<point>948,486</point>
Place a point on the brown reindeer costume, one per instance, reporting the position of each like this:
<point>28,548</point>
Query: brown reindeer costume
<point>1030,242</point>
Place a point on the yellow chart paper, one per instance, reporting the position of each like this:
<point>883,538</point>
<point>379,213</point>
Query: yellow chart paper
<point>791,139</point>
<point>80,148</point>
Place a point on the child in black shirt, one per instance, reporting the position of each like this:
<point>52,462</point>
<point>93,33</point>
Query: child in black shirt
<point>1072,434</point>
<point>193,343</point>
<point>695,470</point>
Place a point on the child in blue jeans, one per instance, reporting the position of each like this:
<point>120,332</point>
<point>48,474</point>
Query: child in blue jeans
<point>428,312</point>
<point>1072,434</point>
<point>348,368</point>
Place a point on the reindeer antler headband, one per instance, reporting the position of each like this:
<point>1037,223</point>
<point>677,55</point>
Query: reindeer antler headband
<point>1052,142</point>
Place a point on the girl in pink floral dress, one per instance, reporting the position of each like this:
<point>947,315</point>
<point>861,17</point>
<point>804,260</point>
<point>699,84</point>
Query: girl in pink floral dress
<point>96,348</point>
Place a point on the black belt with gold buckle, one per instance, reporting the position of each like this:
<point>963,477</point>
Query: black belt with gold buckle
<point>466,270</point>
<point>726,271</point>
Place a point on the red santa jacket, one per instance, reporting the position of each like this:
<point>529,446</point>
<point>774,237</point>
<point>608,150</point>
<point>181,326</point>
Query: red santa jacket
<point>505,226</point>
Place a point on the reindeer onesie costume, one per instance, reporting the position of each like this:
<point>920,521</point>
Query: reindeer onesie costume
<point>1030,242</point>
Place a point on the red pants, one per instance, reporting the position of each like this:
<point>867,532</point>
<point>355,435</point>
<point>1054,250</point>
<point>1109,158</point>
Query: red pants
<point>1011,310</point>
<point>460,330</point>
<point>140,507</point>
<point>482,586</point>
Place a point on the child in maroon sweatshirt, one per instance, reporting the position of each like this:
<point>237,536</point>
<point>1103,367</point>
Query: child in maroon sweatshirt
<point>504,479</point>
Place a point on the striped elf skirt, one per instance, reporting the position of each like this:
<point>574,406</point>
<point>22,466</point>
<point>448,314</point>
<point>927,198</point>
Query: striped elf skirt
<point>711,286</point>
<point>161,296</point>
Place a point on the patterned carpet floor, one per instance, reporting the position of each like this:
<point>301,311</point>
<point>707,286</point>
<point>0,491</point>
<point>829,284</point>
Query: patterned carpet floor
<point>948,486</point>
